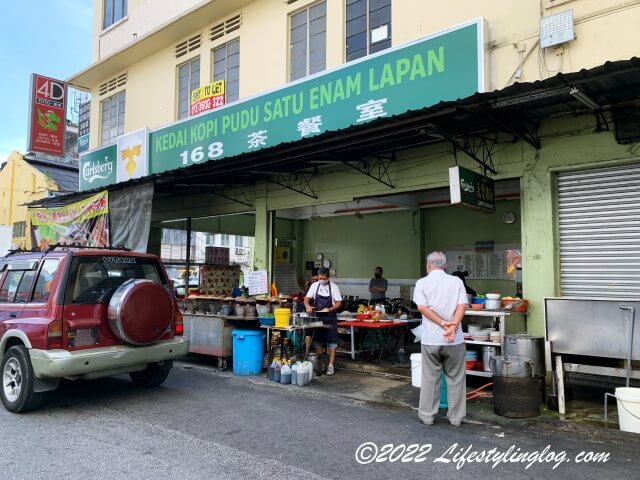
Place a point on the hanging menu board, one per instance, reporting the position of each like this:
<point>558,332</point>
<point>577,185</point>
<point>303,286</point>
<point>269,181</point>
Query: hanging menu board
<point>480,266</point>
<point>257,282</point>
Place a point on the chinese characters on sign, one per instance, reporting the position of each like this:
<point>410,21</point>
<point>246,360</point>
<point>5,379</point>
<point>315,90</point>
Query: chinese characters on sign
<point>83,126</point>
<point>471,189</point>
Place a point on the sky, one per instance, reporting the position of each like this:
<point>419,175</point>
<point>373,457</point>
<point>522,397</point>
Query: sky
<point>48,37</point>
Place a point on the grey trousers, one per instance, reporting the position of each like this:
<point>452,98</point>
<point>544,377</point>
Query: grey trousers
<point>452,358</point>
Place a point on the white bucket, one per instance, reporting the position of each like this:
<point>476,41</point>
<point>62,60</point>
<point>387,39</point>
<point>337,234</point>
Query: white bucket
<point>416,369</point>
<point>628,408</point>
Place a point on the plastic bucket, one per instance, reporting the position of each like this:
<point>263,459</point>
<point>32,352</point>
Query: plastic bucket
<point>248,351</point>
<point>416,369</point>
<point>628,408</point>
<point>282,316</point>
<point>416,378</point>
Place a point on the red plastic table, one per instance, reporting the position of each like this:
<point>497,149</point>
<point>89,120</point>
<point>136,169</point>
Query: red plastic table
<point>353,324</point>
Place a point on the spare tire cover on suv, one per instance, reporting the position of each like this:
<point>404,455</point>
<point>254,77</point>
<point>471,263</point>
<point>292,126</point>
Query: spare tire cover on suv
<point>140,312</point>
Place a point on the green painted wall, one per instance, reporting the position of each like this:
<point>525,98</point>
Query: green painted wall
<point>457,228</point>
<point>388,239</point>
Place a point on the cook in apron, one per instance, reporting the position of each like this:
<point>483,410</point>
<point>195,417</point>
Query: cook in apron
<point>326,335</point>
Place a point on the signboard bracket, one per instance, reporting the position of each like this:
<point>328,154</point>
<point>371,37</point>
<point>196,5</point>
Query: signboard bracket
<point>235,195</point>
<point>479,149</point>
<point>299,182</point>
<point>375,166</point>
<point>517,128</point>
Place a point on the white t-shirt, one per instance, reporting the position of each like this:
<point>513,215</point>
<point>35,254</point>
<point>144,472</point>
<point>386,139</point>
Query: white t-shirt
<point>441,293</point>
<point>324,291</point>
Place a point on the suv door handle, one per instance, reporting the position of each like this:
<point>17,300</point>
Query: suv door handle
<point>13,314</point>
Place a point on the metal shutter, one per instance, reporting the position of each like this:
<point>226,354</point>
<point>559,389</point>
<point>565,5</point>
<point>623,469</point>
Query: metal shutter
<point>599,232</point>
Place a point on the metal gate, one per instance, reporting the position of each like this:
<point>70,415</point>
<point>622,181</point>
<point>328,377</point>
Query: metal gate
<point>599,232</point>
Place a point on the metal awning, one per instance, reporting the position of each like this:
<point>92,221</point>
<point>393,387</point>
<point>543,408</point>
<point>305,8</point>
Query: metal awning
<point>466,123</point>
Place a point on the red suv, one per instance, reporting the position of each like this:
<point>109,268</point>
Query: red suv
<point>84,313</point>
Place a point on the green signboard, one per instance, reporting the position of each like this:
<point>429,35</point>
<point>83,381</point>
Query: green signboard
<point>471,189</point>
<point>98,168</point>
<point>445,66</point>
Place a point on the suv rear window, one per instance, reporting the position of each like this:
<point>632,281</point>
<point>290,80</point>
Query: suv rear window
<point>95,279</point>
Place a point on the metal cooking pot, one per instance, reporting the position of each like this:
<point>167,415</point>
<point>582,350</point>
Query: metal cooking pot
<point>512,366</point>
<point>529,346</point>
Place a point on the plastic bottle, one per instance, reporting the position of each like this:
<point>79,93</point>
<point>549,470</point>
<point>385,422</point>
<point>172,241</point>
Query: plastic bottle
<point>310,370</point>
<point>285,374</point>
<point>272,370</point>
<point>294,374</point>
<point>302,375</point>
<point>278,373</point>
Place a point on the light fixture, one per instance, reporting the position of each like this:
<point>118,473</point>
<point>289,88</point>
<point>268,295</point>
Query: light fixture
<point>530,97</point>
<point>584,98</point>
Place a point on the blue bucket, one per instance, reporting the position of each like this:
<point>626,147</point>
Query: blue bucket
<point>248,351</point>
<point>443,392</point>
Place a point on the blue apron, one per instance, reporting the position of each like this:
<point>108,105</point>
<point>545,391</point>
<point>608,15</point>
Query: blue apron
<point>326,335</point>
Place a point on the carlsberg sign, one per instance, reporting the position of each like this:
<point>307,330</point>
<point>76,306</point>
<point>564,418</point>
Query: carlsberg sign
<point>98,168</point>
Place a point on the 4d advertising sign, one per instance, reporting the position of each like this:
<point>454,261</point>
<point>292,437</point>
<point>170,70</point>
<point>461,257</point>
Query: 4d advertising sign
<point>445,66</point>
<point>471,189</point>
<point>47,112</point>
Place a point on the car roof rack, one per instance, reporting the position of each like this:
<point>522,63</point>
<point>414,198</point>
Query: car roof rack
<point>21,251</point>
<point>111,247</point>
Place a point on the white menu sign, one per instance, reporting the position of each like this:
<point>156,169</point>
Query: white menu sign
<point>257,282</point>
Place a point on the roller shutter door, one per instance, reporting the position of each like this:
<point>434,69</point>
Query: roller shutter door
<point>599,232</point>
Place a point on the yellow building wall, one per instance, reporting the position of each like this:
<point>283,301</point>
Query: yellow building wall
<point>20,183</point>
<point>602,27</point>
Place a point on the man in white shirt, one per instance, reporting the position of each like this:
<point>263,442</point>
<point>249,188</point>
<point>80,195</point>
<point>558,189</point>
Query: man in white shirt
<point>442,301</point>
<point>324,296</point>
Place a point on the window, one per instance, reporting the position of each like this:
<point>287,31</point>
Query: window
<point>114,10</point>
<point>239,241</point>
<point>22,293</point>
<point>188,81</point>
<point>45,277</point>
<point>368,27</point>
<point>10,285</point>
<point>226,66</point>
<point>307,41</point>
<point>94,279</point>
<point>224,240</point>
<point>19,229</point>
<point>112,118</point>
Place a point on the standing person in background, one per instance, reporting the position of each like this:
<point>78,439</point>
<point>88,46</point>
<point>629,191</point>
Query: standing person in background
<point>442,300</point>
<point>378,285</point>
<point>326,299</point>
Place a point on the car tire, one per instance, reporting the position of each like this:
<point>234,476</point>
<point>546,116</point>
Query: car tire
<point>17,376</point>
<point>154,375</point>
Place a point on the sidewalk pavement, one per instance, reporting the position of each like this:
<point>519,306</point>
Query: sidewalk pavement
<point>584,415</point>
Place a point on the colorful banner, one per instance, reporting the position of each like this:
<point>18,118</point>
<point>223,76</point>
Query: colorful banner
<point>83,223</point>
<point>47,115</point>
<point>207,98</point>
<point>445,66</point>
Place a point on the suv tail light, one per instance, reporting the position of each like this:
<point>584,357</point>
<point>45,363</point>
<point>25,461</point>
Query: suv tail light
<point>179,322</point>
<point>54,334</point>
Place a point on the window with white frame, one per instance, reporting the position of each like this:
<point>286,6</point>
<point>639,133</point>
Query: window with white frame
<point>19,229</point>
<point>308,41</point>
<point>188,81</point>
<point>224,240</point>
<point>239,241</point>
<point>114,11</point>
<point>226,66</point>
<point>112,111</point>
<point>368,27</point>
